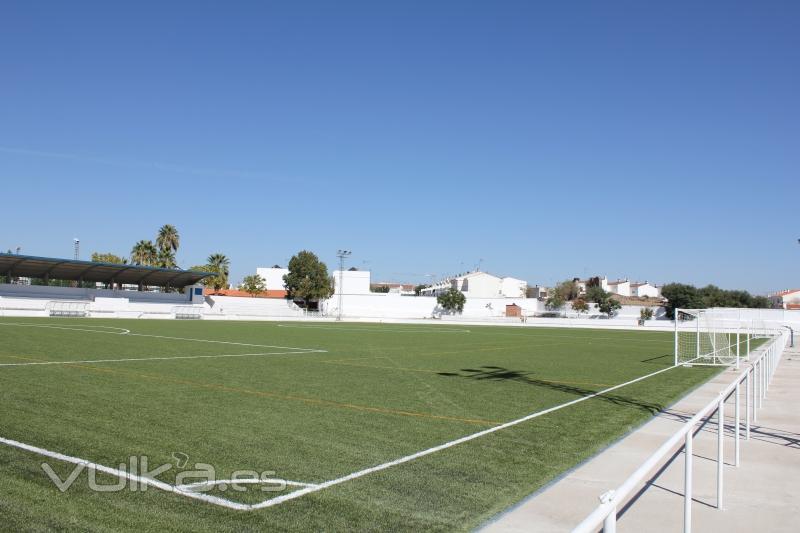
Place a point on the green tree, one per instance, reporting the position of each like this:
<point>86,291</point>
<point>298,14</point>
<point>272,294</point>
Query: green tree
<point>609,306</point>
<point>220,265</point>
<point>760,302</point>
<point>166,259</point>
<point>253,284</point>
<point>98,257</point>
<point>680,295</point>
<point>646,313</point>
<point>568,290</point>
<point>418,288</point>
<point>168,238</point>
<point>379,288</point>
<point>596,294</point>
<point>555,300</point>
<point>580,305</point>
<point>452,300</point>
<point>144,253</point>
<point>308,278</point>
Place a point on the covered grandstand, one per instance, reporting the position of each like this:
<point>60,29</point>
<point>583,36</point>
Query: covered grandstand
<point>111,274</point>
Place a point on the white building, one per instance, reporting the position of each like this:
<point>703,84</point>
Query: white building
<point>788,299</point>
<point>583,284</point>
<point>273,277</point>
<point>538,292</point>
<point>621,287</point>
<point>352,281</point>
<point>513,288</point>
<point>645,290</point>
<point>480,285</point>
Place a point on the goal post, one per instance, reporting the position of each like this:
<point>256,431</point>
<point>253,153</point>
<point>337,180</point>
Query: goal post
<point>706,337</point>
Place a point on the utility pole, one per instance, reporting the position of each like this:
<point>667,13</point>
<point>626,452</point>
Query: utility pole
<point>341,254</point>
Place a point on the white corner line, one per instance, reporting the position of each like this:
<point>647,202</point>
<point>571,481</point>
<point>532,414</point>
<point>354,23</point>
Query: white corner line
<point>127,475</point>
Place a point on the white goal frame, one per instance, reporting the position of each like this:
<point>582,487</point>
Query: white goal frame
<point>717,336</point>
<point>67,308</point>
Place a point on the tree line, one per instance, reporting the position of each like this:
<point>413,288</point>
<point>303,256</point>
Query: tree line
<point>161,253</point>
<point>683,296</point>
<point>569,291</point>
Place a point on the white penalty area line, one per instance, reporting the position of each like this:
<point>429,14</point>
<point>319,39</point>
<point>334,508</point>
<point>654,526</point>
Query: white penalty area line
<point>129,359</point>
<point>311,488</point>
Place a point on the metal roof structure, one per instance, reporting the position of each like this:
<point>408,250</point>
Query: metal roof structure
<point>75,270</point>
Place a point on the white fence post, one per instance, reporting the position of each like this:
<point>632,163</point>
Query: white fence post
<point>748,398</point>
<point>736,426</point>
<point>610,522</point>
<point>687,483</point>
<point>720,454</point>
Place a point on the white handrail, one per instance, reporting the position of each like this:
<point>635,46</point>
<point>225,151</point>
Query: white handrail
<point>761,369</point>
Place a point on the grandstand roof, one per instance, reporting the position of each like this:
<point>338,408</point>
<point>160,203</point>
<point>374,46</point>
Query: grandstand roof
<point>72,269</point>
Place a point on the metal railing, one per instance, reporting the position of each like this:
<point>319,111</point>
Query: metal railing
<point>755,379</point>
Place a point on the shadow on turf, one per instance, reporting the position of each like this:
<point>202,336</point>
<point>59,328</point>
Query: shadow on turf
<point>497,373</point>
<point>658,357</point>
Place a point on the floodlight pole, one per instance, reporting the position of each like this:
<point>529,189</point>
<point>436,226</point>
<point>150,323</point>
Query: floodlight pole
<point>341,254</point>
<point>77,246</point>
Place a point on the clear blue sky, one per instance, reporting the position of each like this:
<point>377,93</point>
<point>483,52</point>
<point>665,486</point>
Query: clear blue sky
<point>651,140</point>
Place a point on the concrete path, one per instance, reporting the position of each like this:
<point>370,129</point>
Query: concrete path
<point>762,494</point>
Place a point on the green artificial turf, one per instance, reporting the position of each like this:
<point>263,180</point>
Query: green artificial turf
<point>377,393</point>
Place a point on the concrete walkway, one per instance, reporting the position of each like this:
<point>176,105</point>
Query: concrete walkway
<point>762,494</point>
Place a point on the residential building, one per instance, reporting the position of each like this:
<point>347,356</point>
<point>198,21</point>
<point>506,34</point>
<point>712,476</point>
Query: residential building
<point>538,292</point>
<point>405,289</point>
<point>787,299</point>
<point>621,287</point>
<point>645,290</point>
<point>480,285</point>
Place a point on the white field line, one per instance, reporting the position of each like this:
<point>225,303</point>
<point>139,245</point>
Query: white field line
<point>127,332</point>
<point>127,475</point>
<point>243,481</point>
<point>120,331</point>
<point>308,490</point>
<point>293,352</point>
<point>430,329</point>
<point>182,490</point>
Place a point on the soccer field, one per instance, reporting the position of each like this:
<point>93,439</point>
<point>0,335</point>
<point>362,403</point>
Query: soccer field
<point>347,425</point>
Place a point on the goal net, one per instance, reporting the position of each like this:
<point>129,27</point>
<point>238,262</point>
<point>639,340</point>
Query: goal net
<point>63,308</point>
<point>706,337</point>
<point>719,336</point>
<point>187,312</point>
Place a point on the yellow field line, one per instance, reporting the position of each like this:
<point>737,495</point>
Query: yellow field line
<point>267,394</point>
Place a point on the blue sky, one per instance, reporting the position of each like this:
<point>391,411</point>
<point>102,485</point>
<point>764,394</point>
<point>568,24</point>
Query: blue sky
<point>647,140</point>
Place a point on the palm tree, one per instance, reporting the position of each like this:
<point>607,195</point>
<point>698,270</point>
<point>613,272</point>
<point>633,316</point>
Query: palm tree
<point>168,238</point>
<point>144,253</point>
<point>221,265</point>
<point>166,259</point>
